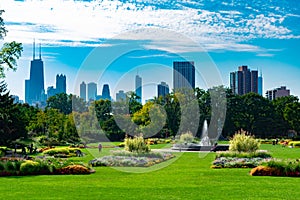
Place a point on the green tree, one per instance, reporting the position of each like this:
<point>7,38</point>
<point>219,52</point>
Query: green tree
<point>66,103</point>
<point>70,131</point>
<point>9,52</point>
<point>12,126</point>
<point>151,119</point>
<point>281,124</point>
<point>292,115</point>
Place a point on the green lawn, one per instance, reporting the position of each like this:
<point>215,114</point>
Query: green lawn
<point>188,177</point>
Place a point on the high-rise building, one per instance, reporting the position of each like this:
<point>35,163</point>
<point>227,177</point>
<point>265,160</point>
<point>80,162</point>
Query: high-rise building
<point>183,74</point>
<point>61,84</point>
<point>138,88</point>
<point>92,91</point>
<point>244,81</point>
<point>105,92</point>
<point>51,91</point>
<point>83,90</point>
<point>35,85</point>
<point>278,92</point>
<point>121,96</point>
<point>162,89</point>
<point>27,91</point>
<point>260,84</point>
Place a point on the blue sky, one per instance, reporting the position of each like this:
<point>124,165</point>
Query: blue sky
<point>111,41</point>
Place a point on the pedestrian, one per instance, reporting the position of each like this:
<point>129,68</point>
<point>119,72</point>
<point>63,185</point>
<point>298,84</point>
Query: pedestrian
<point>100,147</point>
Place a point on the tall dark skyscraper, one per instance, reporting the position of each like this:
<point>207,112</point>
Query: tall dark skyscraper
<point>162,89</point>
<point>83,90</point>
<point>138,87</point>
<point>61,84</point>
<point>35,90</point>
<point>183,74</point>
<point>106,92</point>
<point>244,81</point>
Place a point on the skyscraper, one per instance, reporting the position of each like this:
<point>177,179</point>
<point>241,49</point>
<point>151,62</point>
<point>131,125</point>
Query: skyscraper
<point>106,92</point>
<point>83,90</point>
<point>61,85</point>
<point>92,91</point>
<point>260,84</point>
<point>183,74</point>
<point>35,85</point>
<point>162,89</point>
<point>244,81</point>
<point>27,91</point>
<point>138,88</point>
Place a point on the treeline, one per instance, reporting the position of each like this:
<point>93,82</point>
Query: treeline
<point>68,119</point>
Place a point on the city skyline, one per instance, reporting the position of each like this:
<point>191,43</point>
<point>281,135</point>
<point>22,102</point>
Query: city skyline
<point>263,36</point>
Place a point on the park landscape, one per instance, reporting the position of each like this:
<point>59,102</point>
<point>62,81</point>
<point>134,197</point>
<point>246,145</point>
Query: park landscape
<point>54,152</point>
<point>191,176</point>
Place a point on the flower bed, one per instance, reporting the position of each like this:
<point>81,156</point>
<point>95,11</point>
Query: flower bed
<point>234,162</point>
<point>45,166</point>
<point>257,154</point>
<point>128,159</point>
<point>277,167</point>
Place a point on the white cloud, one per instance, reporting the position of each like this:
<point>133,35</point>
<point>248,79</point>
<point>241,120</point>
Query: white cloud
<point>74,23</point>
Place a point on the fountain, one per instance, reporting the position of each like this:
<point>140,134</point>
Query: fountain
<point>204,144</point>
<point>205,139</point>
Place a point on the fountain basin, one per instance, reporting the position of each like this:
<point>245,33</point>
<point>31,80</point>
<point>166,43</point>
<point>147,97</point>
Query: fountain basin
<point>191,147</point>
<point>197,147</point>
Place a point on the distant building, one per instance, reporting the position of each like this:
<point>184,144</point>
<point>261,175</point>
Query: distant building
<point>106,92</point>
<point>83,90</point>
<point>138,88</point>
<point>51,91</point>
<point>278,92</point>
<point>121,96</point>
<point>162,89</point>
<point>183,74</point>
<point>16,98</point>
<point>34,86</point>
<point>92,91</point>
<point>260,85</point>
<point>61,85</point>
<point>244,81</point>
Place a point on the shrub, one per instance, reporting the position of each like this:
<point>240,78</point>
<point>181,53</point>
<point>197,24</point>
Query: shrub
<point>1,166</point>
<point>243,142</point>
<point>186,137</point>
<point>137,144</point>
<point>30,167</point>
<point>74,169</point>
<point>62,152</point>
<point>264,171</point>
<point>278,167</point>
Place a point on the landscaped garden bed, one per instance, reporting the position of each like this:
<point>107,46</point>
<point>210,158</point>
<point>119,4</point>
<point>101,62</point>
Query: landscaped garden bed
<point>131,159</point>
<point>240,160</point>
<point>278,167</point>
<point>40,166</point>
<point>137,153</point>
<point>63,152</point>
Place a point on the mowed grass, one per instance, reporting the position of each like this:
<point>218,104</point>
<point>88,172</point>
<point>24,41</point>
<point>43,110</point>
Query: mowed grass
<point>189,177</point>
